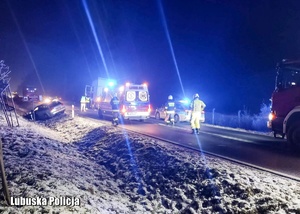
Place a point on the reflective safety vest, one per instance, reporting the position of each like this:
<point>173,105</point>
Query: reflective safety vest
<point>197,105</point>
<point>83,100</point>
<point>170,105</point>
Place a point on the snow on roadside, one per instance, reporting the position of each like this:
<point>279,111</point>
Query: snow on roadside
<point>112,171</point>
<point>240,130</point>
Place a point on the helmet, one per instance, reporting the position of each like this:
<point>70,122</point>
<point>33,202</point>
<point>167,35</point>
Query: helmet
<point>170,97</point>
<point>196,96</point>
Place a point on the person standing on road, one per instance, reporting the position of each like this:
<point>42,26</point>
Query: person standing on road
<point>83,104</point>
<point>88,102</point>
<point>197,106</point>
<point>115,102</point>
<point>115,106</point>
<point>169,108</point>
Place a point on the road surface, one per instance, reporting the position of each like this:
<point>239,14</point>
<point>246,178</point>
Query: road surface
<point>255,149</point>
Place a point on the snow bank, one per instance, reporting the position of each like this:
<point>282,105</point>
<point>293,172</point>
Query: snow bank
<point>111,171</point>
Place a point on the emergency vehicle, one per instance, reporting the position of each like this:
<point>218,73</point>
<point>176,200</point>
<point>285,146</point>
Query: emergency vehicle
<point>134,98</point>
<point>31,94</point>
<point>284,119</point>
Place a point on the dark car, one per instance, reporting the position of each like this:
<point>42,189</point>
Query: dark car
<point>45,111</point>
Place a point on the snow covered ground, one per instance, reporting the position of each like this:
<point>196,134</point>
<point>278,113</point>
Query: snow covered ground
<point>91,167</point>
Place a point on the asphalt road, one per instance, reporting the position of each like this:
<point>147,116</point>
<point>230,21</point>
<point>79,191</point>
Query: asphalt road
<point>255,149</point>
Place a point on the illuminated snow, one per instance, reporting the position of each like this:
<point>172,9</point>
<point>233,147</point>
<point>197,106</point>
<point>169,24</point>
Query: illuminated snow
<point>90,160</point>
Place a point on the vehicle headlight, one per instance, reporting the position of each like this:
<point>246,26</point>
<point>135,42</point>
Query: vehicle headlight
<point>272,116</point>
<point>47,100</point>
<point>36,108</point>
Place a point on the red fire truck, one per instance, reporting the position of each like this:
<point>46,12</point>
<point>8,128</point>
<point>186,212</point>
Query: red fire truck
<point>284,119</point>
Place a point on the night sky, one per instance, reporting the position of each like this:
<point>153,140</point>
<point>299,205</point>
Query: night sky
<point>224,50</point>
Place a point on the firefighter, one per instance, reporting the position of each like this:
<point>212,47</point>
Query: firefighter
<point>170,110</point>
<point>83,104</point>
<point>114,102</point>
<point>88,102</point>
<point>115,105</point>
<point>197,106</point>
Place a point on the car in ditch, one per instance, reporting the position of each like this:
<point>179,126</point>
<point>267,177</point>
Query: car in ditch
<point>182,113</point>
<point>46,110</point>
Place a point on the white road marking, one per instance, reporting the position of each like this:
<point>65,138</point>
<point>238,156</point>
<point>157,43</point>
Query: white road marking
<point>218,135</point>
<point>230,138</point>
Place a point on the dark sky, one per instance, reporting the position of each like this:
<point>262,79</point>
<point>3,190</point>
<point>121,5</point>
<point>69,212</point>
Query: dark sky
<point>224,50</point>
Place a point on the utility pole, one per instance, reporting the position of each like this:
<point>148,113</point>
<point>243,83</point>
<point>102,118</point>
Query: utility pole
<point>4,182</point>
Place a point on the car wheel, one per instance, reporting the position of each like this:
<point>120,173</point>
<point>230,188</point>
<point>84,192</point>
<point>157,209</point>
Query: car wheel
<point>296,135</point>
<point>293,135</point>
<point>176,118</point>
<point>157,116</point>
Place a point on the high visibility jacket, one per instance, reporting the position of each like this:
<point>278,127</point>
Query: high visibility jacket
<point>83,100</point>
<point>197,105</point>
<point>170,105</point>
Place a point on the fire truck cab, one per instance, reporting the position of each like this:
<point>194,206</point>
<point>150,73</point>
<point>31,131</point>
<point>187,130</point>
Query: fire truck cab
<point>284,119</point>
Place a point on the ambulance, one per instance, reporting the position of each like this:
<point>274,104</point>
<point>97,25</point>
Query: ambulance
<point>134,98</point>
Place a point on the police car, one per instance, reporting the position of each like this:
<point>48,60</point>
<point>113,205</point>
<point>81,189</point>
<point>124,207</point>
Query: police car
<point>182,113</point>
